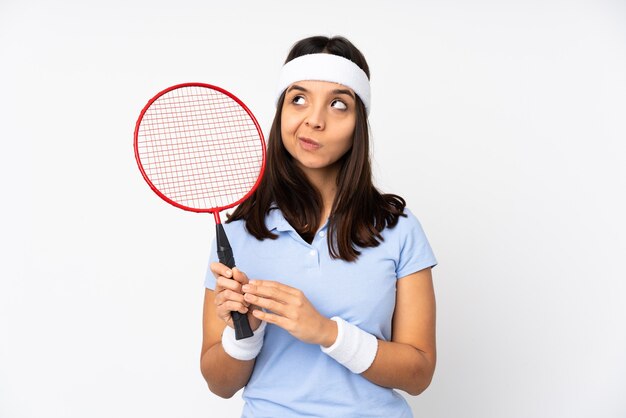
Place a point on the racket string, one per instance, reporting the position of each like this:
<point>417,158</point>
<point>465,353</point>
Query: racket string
<point>200,148</point>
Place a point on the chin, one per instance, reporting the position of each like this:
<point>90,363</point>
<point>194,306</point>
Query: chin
<point>316,165</point>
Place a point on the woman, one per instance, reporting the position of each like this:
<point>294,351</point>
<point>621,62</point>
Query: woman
<point>334,277</point>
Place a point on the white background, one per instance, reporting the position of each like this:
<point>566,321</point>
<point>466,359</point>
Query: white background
<point>501,122</point>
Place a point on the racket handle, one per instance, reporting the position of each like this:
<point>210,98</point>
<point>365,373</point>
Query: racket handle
<point>225,255</point>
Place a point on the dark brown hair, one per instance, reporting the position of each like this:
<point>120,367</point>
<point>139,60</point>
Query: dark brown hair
<point>359,213</point>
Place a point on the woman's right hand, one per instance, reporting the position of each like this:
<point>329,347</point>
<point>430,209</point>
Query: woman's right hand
<point>229,296</point>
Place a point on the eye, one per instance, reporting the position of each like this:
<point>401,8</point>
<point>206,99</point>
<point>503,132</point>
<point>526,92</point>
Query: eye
<point>299,100</point>
<point>338,104</point>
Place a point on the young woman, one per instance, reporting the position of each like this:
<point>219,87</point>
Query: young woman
<point>334,277</point>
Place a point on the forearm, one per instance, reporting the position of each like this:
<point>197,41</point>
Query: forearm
<point>401,366</point>
<point>224,374</point>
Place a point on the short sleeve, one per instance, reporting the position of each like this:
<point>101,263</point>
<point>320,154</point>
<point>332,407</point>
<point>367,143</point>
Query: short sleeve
<point>415,251</point>
<point>209,279</point>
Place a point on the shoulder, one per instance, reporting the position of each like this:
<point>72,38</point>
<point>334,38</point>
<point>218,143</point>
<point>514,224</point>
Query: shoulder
<point>236,230</point>
<point>408,224</point>
<point>410,245</point>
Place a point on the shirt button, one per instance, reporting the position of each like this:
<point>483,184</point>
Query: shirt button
<point>322,233</point>
<point>312,253</point>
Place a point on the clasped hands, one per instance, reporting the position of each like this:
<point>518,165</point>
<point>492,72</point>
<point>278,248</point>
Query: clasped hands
<point>272,302</point>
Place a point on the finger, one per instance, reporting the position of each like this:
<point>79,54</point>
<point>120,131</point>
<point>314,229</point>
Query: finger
<point>227,295</point>
<point>275,285</point>
<point>231,306</point>
<point>271,318</point>
<point>272,305</point>
<point>219,269</point>
<point>282,293</point>
<point>230,284</point>
<point>239,276</point>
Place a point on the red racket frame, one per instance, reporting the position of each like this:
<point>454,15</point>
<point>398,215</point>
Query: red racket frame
<point>216,210</point>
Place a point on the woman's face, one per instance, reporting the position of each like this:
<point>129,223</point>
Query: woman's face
<point>317,123</point>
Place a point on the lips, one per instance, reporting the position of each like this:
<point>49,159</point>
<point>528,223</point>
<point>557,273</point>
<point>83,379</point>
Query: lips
<point>308,144</point>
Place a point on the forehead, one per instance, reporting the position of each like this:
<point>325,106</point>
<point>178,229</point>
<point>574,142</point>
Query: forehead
<point>323,87</point>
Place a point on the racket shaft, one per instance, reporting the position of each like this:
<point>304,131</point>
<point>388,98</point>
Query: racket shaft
<point>225,256</point>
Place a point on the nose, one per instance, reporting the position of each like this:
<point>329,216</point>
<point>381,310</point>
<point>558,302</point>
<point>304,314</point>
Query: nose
<point>315,118</point>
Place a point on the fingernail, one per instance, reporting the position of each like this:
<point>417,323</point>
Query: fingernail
<point>229,273</point>
<point>252,282</point>
<point>246,287</point>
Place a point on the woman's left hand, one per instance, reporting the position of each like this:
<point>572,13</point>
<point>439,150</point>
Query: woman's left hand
<point>291,310</point>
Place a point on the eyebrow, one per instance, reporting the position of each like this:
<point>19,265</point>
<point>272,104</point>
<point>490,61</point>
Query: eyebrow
<point>335,91</point>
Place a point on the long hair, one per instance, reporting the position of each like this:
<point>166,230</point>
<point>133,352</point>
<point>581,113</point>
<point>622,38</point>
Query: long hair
<point>359,212</point>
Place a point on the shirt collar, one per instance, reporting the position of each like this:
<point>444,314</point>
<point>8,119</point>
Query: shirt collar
<point>275,221</point>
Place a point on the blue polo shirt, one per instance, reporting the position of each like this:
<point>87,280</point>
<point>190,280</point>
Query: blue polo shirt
<point>295,379</point>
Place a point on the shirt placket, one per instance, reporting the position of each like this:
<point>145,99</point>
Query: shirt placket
<point>311,252</point>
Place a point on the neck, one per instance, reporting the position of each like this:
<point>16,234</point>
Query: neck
<point>325,181</point>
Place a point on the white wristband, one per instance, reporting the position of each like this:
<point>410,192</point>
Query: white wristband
<point>354,348</point>
<point>245,349</point>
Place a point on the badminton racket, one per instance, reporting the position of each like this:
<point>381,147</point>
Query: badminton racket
<point>201,149</point>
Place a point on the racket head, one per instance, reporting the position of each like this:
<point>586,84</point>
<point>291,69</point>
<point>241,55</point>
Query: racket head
<point>199,147</point>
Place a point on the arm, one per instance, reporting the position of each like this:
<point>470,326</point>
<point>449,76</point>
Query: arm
<point>407,362</point>
<point>223,374</point>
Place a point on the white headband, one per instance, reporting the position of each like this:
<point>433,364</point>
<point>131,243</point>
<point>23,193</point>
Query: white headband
<point>326,67</point>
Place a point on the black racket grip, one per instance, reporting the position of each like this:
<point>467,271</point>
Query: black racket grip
<point>225,255</point>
